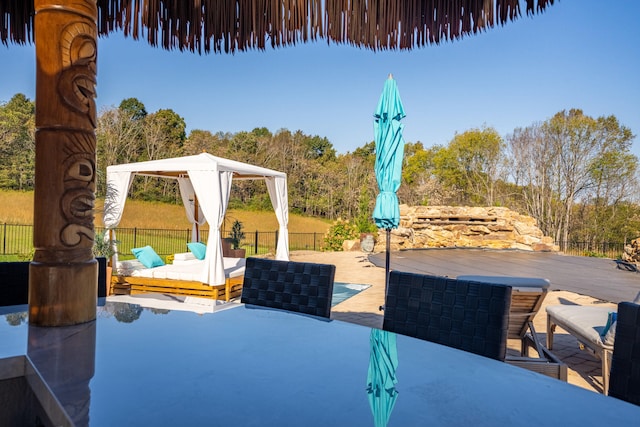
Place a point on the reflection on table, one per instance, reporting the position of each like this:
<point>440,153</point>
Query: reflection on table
<point>252,366</point>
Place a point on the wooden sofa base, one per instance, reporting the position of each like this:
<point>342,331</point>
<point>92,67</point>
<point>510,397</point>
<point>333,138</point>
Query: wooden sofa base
<point>129,285</point>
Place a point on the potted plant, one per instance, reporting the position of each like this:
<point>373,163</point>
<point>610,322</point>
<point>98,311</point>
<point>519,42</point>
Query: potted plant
<point>237,235</point>
<point>104,247</point>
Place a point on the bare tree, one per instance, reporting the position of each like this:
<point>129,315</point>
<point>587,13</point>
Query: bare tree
<point>566,160</point>
<point>118,137</point>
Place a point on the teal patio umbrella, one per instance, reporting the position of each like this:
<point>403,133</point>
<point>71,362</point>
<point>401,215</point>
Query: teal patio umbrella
<point>388,167</point>
<point>381,376</point>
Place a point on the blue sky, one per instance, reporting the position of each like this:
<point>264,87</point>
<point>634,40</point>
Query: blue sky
<point>578,54</point>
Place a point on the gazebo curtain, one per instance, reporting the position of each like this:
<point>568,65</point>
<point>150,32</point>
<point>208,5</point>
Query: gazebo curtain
<point>277,188</point>
<point>214,188</point>
<point>118,184</point>
<point>190,201</point>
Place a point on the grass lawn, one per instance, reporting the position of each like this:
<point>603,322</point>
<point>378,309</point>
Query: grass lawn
<point>16,207</point>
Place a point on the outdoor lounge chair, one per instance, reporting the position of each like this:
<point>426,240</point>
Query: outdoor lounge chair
<point>470,316</point>
<point>586,324</point>
<point>301,287</point>
<point>527,296</point>
<point>624,382</point>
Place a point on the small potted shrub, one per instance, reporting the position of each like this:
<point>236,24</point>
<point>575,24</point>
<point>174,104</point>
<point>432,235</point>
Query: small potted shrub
<point>237,235</point>
<point>104,248</point>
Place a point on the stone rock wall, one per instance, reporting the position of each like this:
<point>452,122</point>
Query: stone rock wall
<point>632,252</point>
<point>462,226</point>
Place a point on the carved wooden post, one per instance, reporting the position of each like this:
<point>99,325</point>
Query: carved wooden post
<point>63,276</point>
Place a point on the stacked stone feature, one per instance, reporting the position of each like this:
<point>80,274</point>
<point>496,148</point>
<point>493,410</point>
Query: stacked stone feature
<point>632,252</point>
<point>463,226</point>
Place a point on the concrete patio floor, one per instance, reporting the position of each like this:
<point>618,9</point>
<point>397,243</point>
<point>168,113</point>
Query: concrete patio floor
<point>573,281</point>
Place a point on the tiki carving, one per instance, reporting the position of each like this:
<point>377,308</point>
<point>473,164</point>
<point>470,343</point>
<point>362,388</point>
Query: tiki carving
<point>79,193</point>
<point>76,88</point>
<point>78,77</point>
<point>63,274</point>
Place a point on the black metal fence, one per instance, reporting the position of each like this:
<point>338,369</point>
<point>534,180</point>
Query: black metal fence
<point>611,250</point>
<point>18,240</point>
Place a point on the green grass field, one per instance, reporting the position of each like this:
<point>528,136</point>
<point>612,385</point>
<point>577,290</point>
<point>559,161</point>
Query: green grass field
<point>16,208</point>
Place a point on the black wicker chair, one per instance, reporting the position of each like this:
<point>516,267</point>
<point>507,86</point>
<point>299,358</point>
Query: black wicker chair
<point>294,286</point>
<point>624,381</point>
<point>14,281</point>
<point>467,315</point>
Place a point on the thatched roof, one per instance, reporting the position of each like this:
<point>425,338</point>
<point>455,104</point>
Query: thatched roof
<point>230,25</point>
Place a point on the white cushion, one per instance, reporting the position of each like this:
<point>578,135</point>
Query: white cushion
<point>587,321</point>
<point>184,256</point>
<point>127,268</point>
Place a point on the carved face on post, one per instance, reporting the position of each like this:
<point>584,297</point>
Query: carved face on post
<point>77,84</point>
<point>63,275</point>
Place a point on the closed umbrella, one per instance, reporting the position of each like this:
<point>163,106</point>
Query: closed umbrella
<point>388,167</point>
<point>381,377</point>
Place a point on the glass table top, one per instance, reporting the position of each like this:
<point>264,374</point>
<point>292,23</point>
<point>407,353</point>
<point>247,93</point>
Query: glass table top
<point>246,366</point>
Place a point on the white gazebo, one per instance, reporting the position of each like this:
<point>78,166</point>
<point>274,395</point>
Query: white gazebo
<point>207,179</point>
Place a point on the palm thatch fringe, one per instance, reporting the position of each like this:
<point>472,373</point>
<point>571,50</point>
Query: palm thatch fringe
<point>16,21</point>
<point>232,25</point>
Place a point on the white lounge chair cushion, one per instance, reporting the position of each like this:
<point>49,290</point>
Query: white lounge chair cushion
<point>588,321</point>
<point>516,283</point>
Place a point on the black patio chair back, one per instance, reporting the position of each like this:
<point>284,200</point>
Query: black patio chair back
<point>624,380</point>
<point>302,287</point>
<point>14,281</point>
<point>467,315</point>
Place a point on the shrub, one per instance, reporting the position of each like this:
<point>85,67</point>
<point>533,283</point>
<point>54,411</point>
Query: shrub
<point>593,254</point>
<point>338,233</point>
<point>366,225</point>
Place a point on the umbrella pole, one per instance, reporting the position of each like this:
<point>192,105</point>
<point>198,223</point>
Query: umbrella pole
<point>386,266</point>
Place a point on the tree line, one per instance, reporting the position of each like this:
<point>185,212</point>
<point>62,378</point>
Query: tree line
<point>574,173</point>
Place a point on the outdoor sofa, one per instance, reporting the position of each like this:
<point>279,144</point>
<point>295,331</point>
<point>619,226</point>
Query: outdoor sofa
<point>182,277</point>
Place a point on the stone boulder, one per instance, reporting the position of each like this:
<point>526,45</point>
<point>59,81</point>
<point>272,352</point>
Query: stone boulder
<point>464,226</point>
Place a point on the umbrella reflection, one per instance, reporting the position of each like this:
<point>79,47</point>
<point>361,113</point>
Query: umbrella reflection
<point>381,378</point>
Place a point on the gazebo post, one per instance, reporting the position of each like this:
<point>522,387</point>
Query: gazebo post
<point>63,275</point>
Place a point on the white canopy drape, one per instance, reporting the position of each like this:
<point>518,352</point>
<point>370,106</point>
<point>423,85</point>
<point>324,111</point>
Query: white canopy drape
<point>277,189</point>
<point>207,178</point>
<point>190,202</point>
